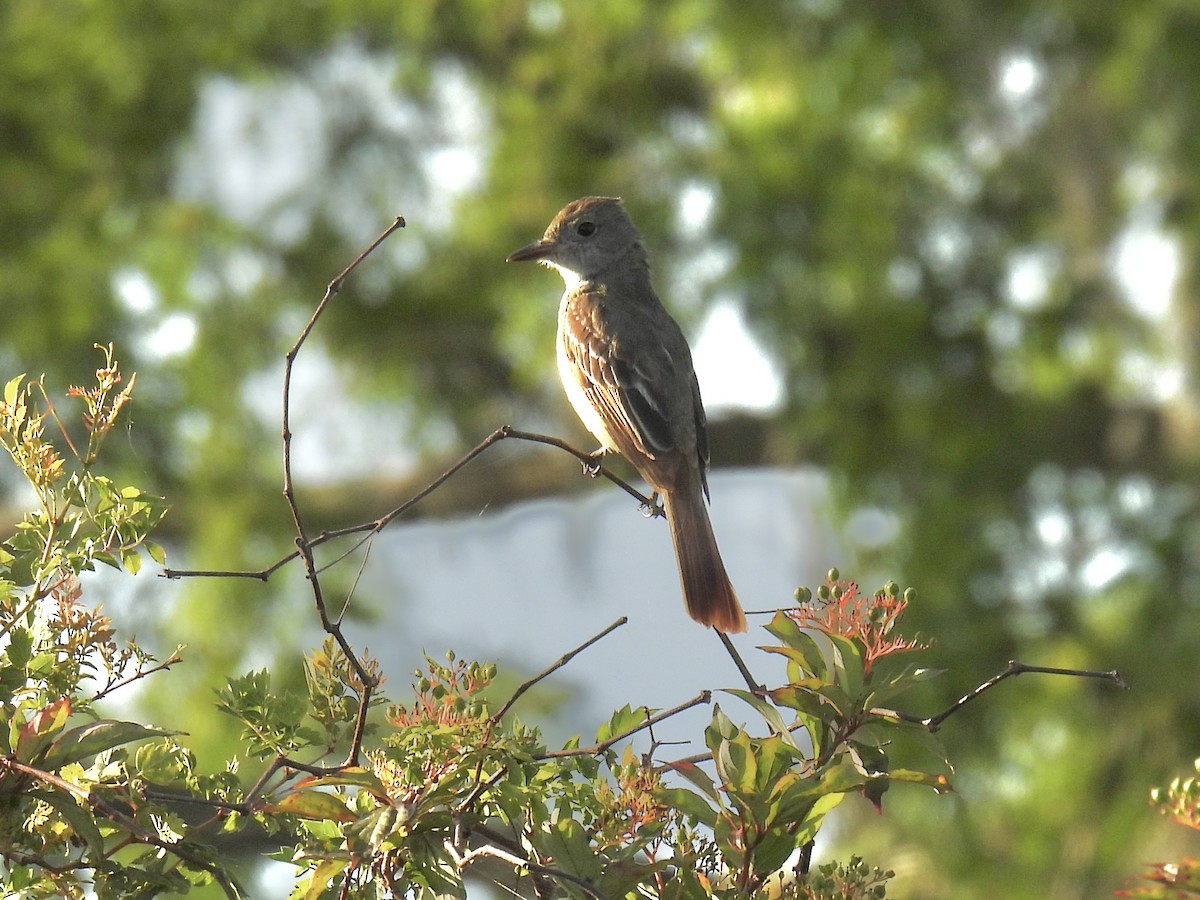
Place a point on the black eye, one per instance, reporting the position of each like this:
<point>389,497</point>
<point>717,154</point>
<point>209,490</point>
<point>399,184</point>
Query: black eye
<point>587,229</point>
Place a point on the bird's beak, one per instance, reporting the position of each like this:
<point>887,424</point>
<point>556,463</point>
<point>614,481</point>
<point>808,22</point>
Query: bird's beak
<point>537,250</point>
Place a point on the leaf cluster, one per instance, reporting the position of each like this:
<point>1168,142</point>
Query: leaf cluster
<point>1180,800</point>
<point>73,816</point>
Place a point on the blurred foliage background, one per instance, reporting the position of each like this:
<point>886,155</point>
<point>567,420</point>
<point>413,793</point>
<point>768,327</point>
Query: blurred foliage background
<point>963,231</point>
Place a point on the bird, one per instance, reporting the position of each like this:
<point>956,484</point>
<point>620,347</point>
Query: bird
<point>627,370</point>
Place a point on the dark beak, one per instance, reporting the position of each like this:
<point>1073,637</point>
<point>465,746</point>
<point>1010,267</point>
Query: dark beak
<point>537,250</point>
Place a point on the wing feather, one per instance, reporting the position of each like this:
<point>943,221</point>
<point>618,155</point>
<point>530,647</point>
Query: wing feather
<point>637,384</point>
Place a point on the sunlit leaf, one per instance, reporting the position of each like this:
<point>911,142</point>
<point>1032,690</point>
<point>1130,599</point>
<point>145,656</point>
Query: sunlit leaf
<point>799,645</point>
<point>769,713</point>
<point>355,775</point>
<point>79,818</point>
<point>314,805</point>
<point>85,741</point>
<point>320,877</point>
<point>689,803</point>
<point>696,776</point>
<point>848,663</point>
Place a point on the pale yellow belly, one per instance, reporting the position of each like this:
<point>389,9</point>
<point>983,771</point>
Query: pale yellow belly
<point>579,401</point>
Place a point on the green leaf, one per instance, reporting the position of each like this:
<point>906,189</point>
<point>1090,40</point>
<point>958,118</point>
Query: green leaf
<point>840,778</point>
<point>85,741</point>
<point>802,696</point>
<point>728,836</point>
<point>848,663</point>
<point>689,803</point>
<point>799,646</point>
<point>132,561</point>
<point>79,818</point>
<point>314,805</point>
<point>935,780</point>
<point>772,850</point>
<point>738,764</point>
<point>320,877</point>
<point>838,700</point>
<point>157,553</point>
<point>721,728</point>
<point>791,797</point>
<point>622,720</point>
<point>812,822</point>
<point>769,713</point>
<point>698,777</point>
<point>20,571</point>
<point>566,842</point>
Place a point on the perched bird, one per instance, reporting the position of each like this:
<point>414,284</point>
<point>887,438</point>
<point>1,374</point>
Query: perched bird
<point>627,371</point>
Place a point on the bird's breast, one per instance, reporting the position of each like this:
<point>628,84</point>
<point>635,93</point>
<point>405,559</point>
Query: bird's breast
<point>581,356</point>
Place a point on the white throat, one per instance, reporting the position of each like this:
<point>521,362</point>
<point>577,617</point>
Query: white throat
<point>570,277</point>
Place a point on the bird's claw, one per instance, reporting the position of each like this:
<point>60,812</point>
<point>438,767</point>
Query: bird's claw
<point>591,466</point>
<point>653,507</point>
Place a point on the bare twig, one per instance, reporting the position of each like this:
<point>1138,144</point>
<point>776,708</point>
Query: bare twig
<point>368,680</point>
<point>376,525</point>
<point>933,723</point>
<point>171,660</point>
<point>290,360</point>
<point>558,664</point>
<point>755,687</point>
<point>591,463</point>
<point>701,698</point>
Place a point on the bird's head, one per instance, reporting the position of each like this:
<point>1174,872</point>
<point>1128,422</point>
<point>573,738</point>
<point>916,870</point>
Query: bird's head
<point>587,238</point>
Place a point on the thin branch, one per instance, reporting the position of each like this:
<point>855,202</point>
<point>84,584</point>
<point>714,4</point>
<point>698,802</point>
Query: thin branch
<point>558,664</point>
<point>701,698</point>
<point>755,687</point>
<point>933,723</point>
<point>368,680</point>
<point>376,525</point>
<point>171,660</point>
<point>591,466</point>
<point>500,847</point>
<point>289,362</point>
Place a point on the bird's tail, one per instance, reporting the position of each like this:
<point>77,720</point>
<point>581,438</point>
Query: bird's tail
<point>707,591</point>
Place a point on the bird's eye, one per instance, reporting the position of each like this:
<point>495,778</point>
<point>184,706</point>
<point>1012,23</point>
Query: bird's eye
<point>586,229</point>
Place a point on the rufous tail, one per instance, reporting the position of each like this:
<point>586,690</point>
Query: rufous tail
<point>707,591</point>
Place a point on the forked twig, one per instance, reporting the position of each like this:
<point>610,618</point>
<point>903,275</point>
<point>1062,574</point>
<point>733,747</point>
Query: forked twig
<point>502,848</point>
<point>933,723</point>
<point>701,698</point>
<point>376,525</point>
<point>368,680</point>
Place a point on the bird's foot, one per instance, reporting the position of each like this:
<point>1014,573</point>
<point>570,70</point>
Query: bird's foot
<point>591,466</point>
<point>653,507</point>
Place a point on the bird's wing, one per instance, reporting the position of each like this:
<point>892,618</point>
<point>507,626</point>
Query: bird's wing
<point>641,382</point>
<point>589,353</point>
<point>632,377</point>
